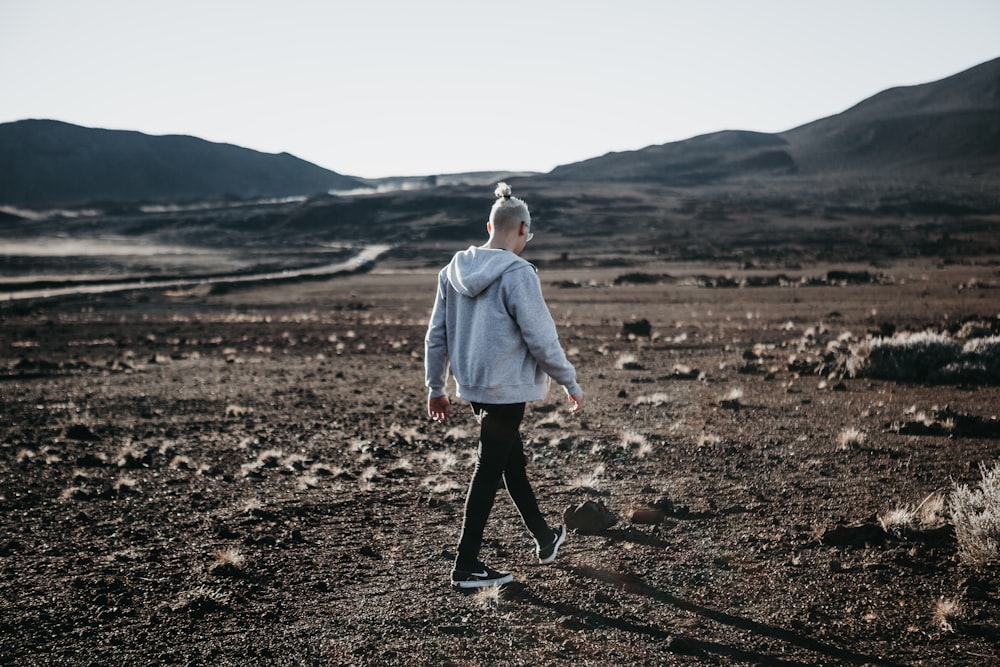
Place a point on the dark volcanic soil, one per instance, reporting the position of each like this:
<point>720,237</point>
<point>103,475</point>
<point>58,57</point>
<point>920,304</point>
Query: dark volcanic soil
<point>249,477</point>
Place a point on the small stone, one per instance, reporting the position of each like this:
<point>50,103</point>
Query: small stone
<point>82,433</point>
<point>647,515</point>
<point>677,644</point>
<point>570,623</point>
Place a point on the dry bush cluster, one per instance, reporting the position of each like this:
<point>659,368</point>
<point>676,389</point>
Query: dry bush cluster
<point>927,356</point>
<point>975,513</point>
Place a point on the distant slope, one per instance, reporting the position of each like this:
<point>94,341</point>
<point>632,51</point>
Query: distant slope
<point>709,158</point>
<point>47,163</point>
<point>947,128</point>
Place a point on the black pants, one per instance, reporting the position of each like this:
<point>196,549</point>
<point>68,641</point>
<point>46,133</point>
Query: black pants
<point>500,456</point>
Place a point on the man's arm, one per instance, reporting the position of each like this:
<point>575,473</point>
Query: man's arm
<point>527,306</point>
<point>436,359</point>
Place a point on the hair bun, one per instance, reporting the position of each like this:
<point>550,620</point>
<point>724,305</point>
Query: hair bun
<point>503,190</point>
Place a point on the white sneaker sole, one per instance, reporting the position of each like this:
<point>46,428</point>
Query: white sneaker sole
<point>483,583</point>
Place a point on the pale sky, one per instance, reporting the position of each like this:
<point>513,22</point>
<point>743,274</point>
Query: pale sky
<point>378,88</point>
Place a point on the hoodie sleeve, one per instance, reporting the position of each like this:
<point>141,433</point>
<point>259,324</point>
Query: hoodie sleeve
<point>436,344</point>
<point>527,306</point>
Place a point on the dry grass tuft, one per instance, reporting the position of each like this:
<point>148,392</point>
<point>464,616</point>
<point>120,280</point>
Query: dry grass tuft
<point>708,440</point>
<point>659,398</point>
<point>732,398</point>
<point>297,462</point>
<point>125,484</point>
<point>367,479</point>
<point>270,458</point>
<point>228,558</point>
<point>252,506</point>
<point>75,492</point>
<point>628,362</point>
<point>129,457</point>
<point>488,597</point>
<point>851,438</point>
<point>401,468</point>
<point>441,487</point>
<point>445,461</point>
<point>252,469</point>
<point>633,441</point>
<point>233,410</point>
<point>182,462</point>
<point>947,614</point>
<point>933,511</point>
<point>202,600</point>
<point>457,434</point>
<point>305,482</point>
<point>898,521</point>
<point>591,482</point>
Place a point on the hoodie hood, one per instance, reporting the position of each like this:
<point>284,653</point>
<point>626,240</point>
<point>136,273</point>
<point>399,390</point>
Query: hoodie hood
<point>472,271</point>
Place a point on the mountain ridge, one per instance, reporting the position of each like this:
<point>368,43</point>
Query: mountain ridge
<point>53,163</point>
<point>945,132</point>
<point>947,127</point>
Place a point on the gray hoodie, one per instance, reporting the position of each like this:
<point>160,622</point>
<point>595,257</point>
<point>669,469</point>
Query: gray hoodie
<point>491,324</point>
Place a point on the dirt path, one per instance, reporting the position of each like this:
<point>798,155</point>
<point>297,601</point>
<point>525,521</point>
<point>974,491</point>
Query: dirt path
<point>363,261</point>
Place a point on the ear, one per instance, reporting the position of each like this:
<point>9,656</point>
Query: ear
<point>489,227</point>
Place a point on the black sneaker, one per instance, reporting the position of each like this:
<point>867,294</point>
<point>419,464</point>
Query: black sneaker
<point>479,577</point>
<point>547,553</point>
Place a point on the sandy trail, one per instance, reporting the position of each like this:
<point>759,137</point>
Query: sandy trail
<point>361,261</point>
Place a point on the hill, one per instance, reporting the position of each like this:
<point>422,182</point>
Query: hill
<point>45,163</point>
<point>948,128</point>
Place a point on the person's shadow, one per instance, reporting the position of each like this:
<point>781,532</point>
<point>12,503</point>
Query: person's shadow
<point>689,645</point>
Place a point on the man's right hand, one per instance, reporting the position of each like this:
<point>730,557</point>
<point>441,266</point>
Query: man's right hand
<point>439,407</point>
<point>577,401</point>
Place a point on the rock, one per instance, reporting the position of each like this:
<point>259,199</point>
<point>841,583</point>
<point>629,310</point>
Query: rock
<point>82,433</point>
<point>89,461</point>
<point>663,503</point>
<point>10,547</point>
<point>227,570</point>
<point>589,517</point>
<point>647,515</point>
<point>681,645</point>
<point>638,328</point>
<point>601,597</point>
<point>571,623</point>
<point>974,588</point>
<point>857,535</point>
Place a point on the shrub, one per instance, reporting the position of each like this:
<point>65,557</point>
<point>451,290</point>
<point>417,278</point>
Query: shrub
<point>926,356</point>
<point>907,357</point>
<point>984,352</point>
<point>975,513</point>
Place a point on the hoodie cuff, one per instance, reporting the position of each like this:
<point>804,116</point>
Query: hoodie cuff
<point>572,389</point>
<point>436,393</point>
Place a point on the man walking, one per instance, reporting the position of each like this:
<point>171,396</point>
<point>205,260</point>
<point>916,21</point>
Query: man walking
<point>490,324</point>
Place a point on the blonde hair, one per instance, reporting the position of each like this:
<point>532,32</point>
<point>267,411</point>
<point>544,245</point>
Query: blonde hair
<point>508,210</point>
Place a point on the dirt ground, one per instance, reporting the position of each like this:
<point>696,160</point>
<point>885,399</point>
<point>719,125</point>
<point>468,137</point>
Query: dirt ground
<point>248,477</point>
